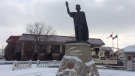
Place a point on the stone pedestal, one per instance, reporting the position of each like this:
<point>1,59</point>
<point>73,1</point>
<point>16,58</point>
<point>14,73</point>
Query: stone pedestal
<point>77,61</point>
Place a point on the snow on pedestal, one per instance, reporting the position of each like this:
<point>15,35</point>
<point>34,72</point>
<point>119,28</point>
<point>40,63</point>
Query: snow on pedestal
<point>77,61</point>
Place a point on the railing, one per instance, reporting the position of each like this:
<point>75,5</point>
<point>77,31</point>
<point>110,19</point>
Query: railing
<point>6,62</point>
<point>42,63</point>
<point>22,64</point>
<point>28,64</point>
<point>50,64</point>
<point>134,66</point>
<point>105,61</point>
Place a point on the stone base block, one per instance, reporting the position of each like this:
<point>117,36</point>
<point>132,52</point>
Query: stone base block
<point>77,61</point>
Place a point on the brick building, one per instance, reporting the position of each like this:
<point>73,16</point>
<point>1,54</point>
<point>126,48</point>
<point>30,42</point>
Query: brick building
<point>50,47</point>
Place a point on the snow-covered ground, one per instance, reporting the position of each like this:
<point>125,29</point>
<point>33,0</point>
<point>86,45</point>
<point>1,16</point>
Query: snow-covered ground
<point>6,70</point>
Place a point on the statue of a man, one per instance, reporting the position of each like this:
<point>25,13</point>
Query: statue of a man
<point>80,23</point>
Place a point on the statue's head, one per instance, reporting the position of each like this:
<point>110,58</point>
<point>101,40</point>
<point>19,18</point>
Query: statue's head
<point>78,7</point>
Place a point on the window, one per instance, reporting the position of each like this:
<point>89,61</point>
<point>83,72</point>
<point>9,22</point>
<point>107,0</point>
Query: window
<point>129,57</point>
<point>96,50</point>
<point>134,56</point>
<point>55,48</point>
<point>42,48</point>
<point>63,48</point>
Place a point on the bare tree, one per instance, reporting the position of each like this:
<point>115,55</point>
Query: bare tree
<point>41,33</point>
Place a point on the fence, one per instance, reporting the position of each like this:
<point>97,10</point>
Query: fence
<point>105,61</point>
<point>133,66</point>
<point>28,64</point>
<point>22,64</point>
<point>6,62</point>
<point>50,64</point>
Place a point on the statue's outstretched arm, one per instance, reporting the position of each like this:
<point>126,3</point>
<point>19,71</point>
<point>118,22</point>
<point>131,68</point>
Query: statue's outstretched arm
<point>68,11</point>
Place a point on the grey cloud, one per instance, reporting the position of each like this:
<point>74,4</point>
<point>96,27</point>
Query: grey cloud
<point>108,17</point>
<point>103,16</point>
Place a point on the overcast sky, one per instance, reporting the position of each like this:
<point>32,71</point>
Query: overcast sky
<point>103,18</point>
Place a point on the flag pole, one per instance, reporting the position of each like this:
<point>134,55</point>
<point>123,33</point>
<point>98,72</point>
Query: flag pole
<point>112,46</point>
<point>112,42</point>
<point>117,43</point>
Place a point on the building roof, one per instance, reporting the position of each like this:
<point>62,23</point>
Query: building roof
<point>106,49</point>
<point>61,39</point>
<point>96,42</point>
<point>13,38</point>
<point>129,49</point>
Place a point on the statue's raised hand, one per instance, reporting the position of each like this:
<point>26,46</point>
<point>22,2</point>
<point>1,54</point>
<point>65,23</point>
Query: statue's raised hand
<point>66,3</point>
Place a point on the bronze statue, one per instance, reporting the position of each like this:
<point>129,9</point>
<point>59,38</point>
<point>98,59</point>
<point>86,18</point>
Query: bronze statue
<point>80,23</point>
